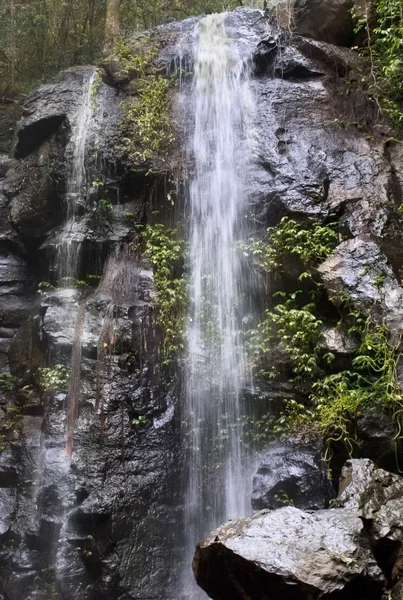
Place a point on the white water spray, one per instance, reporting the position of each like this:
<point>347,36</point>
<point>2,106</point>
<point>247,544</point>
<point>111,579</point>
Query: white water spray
<point>218,488</point>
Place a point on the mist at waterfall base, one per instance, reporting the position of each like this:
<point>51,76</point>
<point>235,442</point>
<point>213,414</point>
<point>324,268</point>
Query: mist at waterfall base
<point>218,477</point>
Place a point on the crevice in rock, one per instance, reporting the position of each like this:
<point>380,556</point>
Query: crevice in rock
<point>386,551</point>
<point>32,136</point>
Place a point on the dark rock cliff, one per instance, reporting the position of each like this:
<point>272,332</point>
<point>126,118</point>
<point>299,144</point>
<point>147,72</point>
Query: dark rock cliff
<point>107,522</point>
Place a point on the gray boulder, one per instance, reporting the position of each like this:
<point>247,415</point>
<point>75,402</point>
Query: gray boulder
<point>292,554</point>
<point>291,474</point>
<point>353,550</point>
<point>376,495</point>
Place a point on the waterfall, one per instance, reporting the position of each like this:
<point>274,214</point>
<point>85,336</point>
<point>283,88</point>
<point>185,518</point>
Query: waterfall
<point>217,487</point>
<point>68,248</point>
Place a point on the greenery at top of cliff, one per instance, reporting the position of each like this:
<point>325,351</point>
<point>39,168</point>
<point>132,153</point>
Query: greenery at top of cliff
<point>383,28</point>
<point>147,121</point>
<point>166,252</point>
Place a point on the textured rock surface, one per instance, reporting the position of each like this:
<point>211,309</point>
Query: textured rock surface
<point>358,269</point>
<point>326,20</point>
<point>354,548</point>
<point>291,474</point>
<point>289,553</point>
<point>376,495</point>
<point>102,525</point>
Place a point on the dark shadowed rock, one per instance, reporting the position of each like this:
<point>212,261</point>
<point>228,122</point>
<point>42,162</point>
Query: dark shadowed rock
<point>326,20</point>
<point>291,474</point>
<point>290,554</point>
<point>48,106</point>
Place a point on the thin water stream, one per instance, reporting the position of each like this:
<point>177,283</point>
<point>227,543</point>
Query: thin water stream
<point>68,248</point>
<point>218,488</point>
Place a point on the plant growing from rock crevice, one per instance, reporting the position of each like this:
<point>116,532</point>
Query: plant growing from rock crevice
<point>146,111</point>
<point>331,399</point>
<point>165,251</point>
<point>383,29</point>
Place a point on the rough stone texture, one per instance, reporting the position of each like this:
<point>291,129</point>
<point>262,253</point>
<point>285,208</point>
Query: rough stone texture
<point>107,520</point>
<point>377,495</point>
<point>291,474</point>
<point>359,269</point>
<point>289,553</point>
<point>295,554</point>
<point>326,20</point>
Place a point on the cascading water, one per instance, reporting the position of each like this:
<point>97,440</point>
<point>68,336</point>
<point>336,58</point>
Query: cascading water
<point>68,249</point>
<point>218,488</point>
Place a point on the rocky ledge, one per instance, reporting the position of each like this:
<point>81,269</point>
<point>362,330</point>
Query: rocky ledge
<point>351,551</point>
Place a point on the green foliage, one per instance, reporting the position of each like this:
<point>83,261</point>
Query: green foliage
<point>8,382</point>
<point>139,421</point>
<point>52,378</point>
<point>310,244</point>
<point>294,417</point>
<point>297,329</point>
<point>38,39</point>
<point>283,498</point>
<point>166,253</point>
<point>45,288</point>
<point>372,381</point>
<point>147,120</point>
<point>9,425</point>
<point>384,49</point>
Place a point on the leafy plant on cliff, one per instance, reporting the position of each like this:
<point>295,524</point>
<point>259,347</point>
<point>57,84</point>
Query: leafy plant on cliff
<point>9,424</point>
<point>297,330</point>
<point>372,381</point>
<point>292,323</point>
<point>8,382</point>
<point>52,378</point>
<point>146,113</point>
<point>311,244</point>
<point>384,48</point>
<point>165,251</point>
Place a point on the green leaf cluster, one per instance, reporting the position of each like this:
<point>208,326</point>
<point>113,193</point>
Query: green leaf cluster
<point>166,252</point>
<point>8,382</point>
<point>51,379</point>
<point>372,381</point>
<point>9,425</point>
<point>297,329</point>
<point>311,244</point>
<point>384,48</point>
<point>147,121</point>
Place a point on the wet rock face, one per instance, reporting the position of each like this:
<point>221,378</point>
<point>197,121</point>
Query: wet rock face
<point>103,524</point>
<point>350,551</point>
<point>289,474</point>
<point>325,20</point>
<point>289,554</point>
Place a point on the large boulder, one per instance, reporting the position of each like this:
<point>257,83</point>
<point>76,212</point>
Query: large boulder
<point>288,553</point>
<point>353,550</point>
<point>289,474</point>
